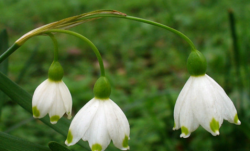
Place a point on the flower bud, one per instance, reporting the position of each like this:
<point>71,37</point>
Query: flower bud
<point>55,71</point>
<point>196,63</point>
<point>102,88</point>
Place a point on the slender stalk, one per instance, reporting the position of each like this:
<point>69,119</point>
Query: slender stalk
<point>17,44</point>
<point>151,23</point>
<point>96,51</point>
<point>55,45</point>
<point>165,27</point>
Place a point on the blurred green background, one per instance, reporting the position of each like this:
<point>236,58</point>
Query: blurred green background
<point>146,65</point>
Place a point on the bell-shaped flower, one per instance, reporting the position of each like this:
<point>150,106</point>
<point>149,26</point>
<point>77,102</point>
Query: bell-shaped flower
<point>100,121</point>
<point>52,96</point>
<point>202,102</point>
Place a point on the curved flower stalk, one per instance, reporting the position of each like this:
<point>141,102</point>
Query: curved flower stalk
<point>202,101</point>
<point>68,23</point>
<point>100,121</point>
<point>52,96</point>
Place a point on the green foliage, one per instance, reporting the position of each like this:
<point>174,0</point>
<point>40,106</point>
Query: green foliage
<point>54,146</point>
<point>12,143</point>
<point>145,65</point>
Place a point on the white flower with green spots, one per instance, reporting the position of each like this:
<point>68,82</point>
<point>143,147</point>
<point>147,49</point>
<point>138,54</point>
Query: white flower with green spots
<point>99,122</point>
<point>203,102</point>
<point>52,97</point>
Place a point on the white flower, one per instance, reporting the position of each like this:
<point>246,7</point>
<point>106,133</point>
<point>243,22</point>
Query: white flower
<point>52,97</point>
<point>99,121</point>
<point>203,102</point>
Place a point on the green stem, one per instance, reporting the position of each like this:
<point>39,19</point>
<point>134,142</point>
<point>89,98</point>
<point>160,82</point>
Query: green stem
<point>8,52</point>
<point>96,51</point>
<point>165,27</point>
<point>16,45</point>
<point>55,45</point>
<point>151,23</point>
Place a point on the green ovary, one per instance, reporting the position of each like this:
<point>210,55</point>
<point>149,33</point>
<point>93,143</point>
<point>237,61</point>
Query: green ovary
<point>69,137</point>
<point>96,147</point>
<point>125,142</point>
<point>184,130</point>
<point>214,125</point>
<point>35,111</point>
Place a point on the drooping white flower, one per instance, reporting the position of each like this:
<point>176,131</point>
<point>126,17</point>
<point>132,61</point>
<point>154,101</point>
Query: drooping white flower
<point>52,97</point>
<point>99,122</point>
<point>203,102</point>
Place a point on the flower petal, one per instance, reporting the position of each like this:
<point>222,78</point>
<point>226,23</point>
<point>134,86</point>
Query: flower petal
<point>66,98</point>
<point>43,97</point>
<point>39,92</point>
<point>204,106</point>
<point>180,101</point>
<point>81,122</point>
<point>97,134</point>
<point>228,110</point>
<point>188,121</point>
<point>57,108</point>
<point>117,125</point>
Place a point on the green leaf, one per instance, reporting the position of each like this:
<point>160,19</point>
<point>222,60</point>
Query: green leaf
<point>24,99</point>
<point>13,143</point>
<point>3,47</point>
<point>54,146</point>
<point>4,64</point>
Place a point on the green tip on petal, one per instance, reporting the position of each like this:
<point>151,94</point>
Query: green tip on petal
<point>184,130</point>
<point>69,137</point>
<point>36,112</point>
<point>54,119</point>
<point>236,120</point>
<point>174,126</point>
<point>214,125</point>
<point>96,147</point>
<point>125,142</point>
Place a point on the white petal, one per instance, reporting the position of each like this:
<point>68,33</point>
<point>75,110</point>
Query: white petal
<point>204,106</point>
<point>43,99</point>
<point>188,121</point>
<point>38,92</point>
<point>228,110</point>
<point>179,103</point>
<point>66,98</point>
<point>97,134</point>
<point>82,121</point>
<point>57,108</point>
<point>117,124</point>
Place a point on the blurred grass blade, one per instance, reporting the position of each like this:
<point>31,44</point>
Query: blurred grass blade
<point>24,99</point>
<point>4,64</point>
<point>54,146</point>
<point>27,64</point>
<point>12,143</point>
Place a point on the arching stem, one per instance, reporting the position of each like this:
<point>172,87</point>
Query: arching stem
<point>165,27</point>
<point>55,46</point>
<point>96,51</point>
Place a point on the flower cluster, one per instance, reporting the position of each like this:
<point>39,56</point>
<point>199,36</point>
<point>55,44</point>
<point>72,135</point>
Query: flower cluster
<point>98,122</point>
<point>201,102</point>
